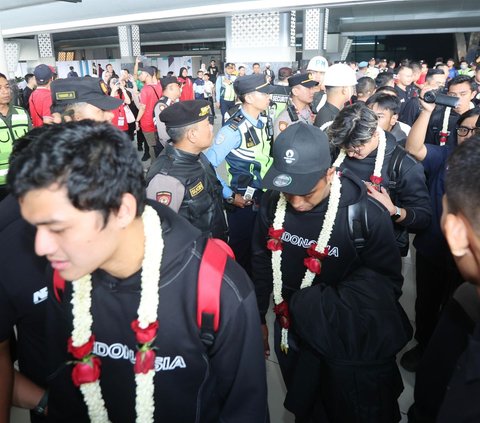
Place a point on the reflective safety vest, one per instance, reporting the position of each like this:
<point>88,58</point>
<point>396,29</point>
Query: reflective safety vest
<point>9,132</point>
<point>252,157</point>
<point>227,92</point>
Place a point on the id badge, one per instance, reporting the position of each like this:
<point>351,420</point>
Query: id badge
<point>121,120</point>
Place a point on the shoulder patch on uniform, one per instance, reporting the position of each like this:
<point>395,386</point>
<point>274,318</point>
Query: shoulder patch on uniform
<point>164,197</point>
<point>282,125</point>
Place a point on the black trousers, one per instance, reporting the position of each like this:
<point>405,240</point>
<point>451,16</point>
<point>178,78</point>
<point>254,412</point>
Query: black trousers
<point>437,278</point>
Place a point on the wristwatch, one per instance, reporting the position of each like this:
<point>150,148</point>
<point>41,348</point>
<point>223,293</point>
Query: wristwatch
<point>231,199</point>
<point>41,407</point>
<point>397,215</point>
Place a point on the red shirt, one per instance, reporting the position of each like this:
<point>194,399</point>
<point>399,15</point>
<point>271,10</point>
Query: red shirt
<point>149,95</point>
<point>39,105</point>
<point>119,118</point>
<point>187,89</point>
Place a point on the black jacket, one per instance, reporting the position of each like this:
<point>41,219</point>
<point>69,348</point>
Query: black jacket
<point>411,189</point>
<point>202,203</point>
<point>301,228</point>
<point>326,114</point>
<point>226,383</point>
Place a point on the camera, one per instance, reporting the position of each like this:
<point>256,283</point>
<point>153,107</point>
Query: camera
<point>440,99</point>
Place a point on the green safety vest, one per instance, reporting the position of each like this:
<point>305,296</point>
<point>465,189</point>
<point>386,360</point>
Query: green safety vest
<point>227,92</point>
<point>10,130</point>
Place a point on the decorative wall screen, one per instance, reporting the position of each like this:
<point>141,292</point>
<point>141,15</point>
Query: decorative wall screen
<point>12,51</point>
<point>256,30</point>
<point>45,45</point>
<point>312,29</point>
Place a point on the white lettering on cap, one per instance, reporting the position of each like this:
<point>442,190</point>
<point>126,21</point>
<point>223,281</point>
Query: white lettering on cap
<point>290,156</point>
<point>282,180</point>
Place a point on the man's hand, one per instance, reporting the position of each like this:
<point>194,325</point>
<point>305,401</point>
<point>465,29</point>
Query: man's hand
<point>426,106</point>
<point>239,201</point>
<point>266,347</point>
<point>381,196</point>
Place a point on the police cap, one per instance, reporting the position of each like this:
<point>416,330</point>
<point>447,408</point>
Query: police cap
<point>167,80</point>
<point>250,83</point>
<point>185,113</point>
<point>81,90</point>
<point>304,79</point>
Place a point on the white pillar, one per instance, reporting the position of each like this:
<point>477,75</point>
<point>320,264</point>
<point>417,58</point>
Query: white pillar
<point>3,59</point>
<point>315,29</point>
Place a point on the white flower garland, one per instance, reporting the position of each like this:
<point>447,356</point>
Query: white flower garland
<point>379,159</point>
<point>322,242</point>
<point>147,314</point>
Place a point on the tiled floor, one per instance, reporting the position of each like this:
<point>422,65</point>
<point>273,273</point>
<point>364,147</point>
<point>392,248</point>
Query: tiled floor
<point>276,387</point>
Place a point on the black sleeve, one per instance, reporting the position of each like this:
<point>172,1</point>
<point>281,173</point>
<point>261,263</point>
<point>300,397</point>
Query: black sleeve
<point>412,195</point>
<point>410,112</point>
<point>262,258</point>
<point>237,357</point>
<point>8,315</point>
<point>381,253</point>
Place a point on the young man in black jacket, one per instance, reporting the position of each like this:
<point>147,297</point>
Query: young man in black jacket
<point>133,265</point>
<point>392,177</point>
<point>323,229</point>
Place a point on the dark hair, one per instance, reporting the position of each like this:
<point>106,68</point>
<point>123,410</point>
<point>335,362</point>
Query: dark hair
<point>416,65</point>
<point>383,79</point>
<point>404,66</point>
<point>460,79</point>
<point>469,113</point>
<point>71,68</point>
<point>28,76</point>
<point>441,65</point>
<point>387,89</point>
<point>94,161</point>
<point>258,64</point>
<point>365,84</point>
<point>432,72</point>
<point>181,70</point>
<point>385,102</point>
<point>3,76</point>
<point>462,181</point>
<point>353,126</point>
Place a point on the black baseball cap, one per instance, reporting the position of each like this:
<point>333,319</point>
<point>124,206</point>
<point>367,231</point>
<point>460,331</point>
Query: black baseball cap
<point>250,83</point>
<point>81,90</point>
<point>301,157</point>
<point>149,69</point>
<point>167,80</point>
<point>304,79</point>
<point>185,113</point>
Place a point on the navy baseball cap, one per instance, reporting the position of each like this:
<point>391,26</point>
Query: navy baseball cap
<point>304,79</point>
<point>149,69</point>
<point>301,157</point>
<point>250,83</point>
<point>43,73</point>
<point>81,90</point>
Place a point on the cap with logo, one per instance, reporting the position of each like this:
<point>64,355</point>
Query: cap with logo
<point>317,64</point>
<point>250,83</point>
<point>185,113</point>
<point>167,80</point>
<point>304,79</point>
<point>340,75</point>
<point>81,90</point>
<point>301,156</point>
<point>149,69</point>
<point>43,73</point>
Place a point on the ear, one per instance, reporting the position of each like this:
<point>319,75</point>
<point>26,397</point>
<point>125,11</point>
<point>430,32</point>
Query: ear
<point>329,175</point>
<point>456,234</point>
<point>393,120</point>
<point>127,212</point>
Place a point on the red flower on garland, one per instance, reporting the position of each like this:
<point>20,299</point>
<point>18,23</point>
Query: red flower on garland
<point>86,371</point>
<point>146,335</point>
<point>314,260</point>
<point>83,350</point>
<point>275,241</point>
<point>443,137</point>
<point>376,180</point>
<point>144,361</point>
<point>283,314</point>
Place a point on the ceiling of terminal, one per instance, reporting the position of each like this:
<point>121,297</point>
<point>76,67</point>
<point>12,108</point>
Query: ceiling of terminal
<point>93,23</point>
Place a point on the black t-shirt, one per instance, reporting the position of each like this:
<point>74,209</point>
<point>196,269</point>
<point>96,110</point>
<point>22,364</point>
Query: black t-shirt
<point>27,92</point>
<point>326,114</point>
<point>23,291</point>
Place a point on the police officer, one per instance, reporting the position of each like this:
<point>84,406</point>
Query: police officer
<point>14,123</point>
<point>244,142</point>
<point>171,93</point>
<point>298,110</point>
<point>317,216</point>
<point>182,177</point>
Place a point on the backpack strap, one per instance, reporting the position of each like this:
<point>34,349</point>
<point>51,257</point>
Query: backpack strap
<point>358,224</point>
<point>394,168</point>
<point>210,277</point>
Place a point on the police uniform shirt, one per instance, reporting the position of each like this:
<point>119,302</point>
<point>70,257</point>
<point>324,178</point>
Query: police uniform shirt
<point>283,121</point>
<point>226,140</point>
<point>161,105</point>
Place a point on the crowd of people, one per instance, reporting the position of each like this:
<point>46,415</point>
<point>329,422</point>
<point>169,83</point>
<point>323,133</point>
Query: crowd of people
<point>136,288</point>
